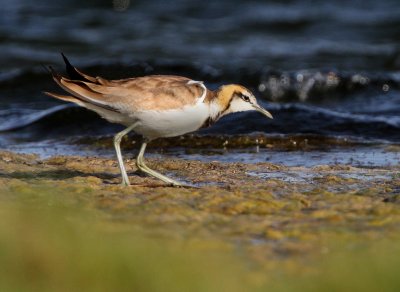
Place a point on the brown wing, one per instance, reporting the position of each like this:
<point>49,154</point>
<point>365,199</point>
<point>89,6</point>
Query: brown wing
<point>156,92</point>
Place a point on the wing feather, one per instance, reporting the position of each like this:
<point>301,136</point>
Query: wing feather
<point>154,92</point>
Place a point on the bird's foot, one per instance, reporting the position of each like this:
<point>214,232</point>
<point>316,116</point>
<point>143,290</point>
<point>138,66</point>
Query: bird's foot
<point>125,184</point>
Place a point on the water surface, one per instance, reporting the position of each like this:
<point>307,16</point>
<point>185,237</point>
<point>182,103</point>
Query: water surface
<point>329,69</point>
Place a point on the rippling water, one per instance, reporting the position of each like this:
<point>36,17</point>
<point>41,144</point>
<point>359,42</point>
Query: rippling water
<point>330,68</point>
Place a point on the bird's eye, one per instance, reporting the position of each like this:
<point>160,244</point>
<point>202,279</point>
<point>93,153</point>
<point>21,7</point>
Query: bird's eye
<point>245,98</point>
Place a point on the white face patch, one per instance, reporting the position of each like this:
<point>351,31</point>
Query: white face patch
<point>240,105</point>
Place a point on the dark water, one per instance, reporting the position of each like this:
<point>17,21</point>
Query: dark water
<point>329,68</point>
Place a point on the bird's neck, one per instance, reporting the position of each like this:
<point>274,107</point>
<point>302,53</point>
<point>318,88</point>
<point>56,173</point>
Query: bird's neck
<point>218,102</point>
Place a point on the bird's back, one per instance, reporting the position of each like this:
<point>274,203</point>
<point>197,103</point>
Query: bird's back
<point>153,92</point>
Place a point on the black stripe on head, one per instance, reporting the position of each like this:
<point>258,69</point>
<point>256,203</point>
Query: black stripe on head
<point>228,105</point>
<point>245,97</point>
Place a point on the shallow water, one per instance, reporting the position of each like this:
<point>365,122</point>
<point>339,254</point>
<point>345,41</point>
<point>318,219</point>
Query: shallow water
<point>365,157</point>
<point>304,176</point>
<point>375,155</point>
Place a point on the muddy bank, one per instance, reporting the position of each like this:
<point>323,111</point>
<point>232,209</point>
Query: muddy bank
<point>267,210</point>
<point>261,140</point>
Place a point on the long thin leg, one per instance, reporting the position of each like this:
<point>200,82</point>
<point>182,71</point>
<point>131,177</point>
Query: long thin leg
<point>143,167</point>
<point>117,142</point>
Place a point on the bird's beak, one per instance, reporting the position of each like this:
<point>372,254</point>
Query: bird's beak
<point>263,111</point>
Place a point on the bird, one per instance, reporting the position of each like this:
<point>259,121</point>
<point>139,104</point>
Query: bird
<point>153,106</point>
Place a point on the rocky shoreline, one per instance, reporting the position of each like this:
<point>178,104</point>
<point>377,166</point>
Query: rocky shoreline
<point>261,201</point>
<point>267,215</point>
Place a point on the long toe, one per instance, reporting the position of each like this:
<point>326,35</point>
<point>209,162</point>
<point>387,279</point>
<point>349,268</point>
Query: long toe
<point>177,184</point>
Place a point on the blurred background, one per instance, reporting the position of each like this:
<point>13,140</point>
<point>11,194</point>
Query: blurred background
<point>329,72</point>
<point>325,68</point>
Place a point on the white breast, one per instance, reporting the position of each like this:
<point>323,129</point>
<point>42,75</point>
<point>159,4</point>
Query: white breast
<point>170,123</point>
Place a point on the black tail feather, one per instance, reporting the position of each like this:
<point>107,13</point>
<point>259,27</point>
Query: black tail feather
<point>72,73</point>
<point>53,72</point>
<point>47,69</point>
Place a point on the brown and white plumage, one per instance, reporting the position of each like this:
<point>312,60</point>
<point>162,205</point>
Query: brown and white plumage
<point>153,106</point>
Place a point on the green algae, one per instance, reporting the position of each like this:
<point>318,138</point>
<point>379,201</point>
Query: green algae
<point>67,224</point>
<point>198,141</point>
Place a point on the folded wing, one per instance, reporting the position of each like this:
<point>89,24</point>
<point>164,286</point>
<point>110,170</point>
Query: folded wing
<point>126,96</point>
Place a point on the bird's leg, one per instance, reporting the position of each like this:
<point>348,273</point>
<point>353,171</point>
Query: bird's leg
<point>117,142</point>
<point>143,167</point>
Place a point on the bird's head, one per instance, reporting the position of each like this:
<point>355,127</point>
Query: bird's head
<point>234,98</point>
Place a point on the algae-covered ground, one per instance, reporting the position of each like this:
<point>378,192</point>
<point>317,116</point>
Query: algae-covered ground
<point>66,224</point>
